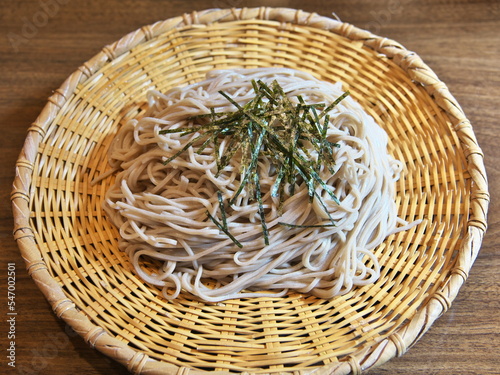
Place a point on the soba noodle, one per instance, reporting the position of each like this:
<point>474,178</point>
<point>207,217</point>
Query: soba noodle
<point>160,210</point>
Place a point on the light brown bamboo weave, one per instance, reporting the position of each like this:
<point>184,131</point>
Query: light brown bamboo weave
<point>71,248</point>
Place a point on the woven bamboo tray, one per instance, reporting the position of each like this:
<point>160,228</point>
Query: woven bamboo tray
<point>70,247</point>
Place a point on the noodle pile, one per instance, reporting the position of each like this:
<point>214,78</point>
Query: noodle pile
<point>161,209</point>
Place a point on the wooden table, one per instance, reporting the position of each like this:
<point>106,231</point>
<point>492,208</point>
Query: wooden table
<point>42,42</point>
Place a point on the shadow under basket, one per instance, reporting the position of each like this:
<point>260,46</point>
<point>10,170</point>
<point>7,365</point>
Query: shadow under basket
<point>71,250</point>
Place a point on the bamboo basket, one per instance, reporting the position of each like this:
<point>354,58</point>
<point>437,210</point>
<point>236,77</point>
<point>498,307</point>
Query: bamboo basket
<point>70,247</point>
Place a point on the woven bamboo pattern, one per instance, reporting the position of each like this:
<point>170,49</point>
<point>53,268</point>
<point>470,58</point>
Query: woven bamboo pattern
<point>71,250</point>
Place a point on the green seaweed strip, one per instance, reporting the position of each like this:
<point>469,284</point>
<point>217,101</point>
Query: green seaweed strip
<point>265,230</point>
<point>222,209</point>
<point>225,230</point>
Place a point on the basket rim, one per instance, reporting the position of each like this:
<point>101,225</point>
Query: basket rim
<point>138,362</point>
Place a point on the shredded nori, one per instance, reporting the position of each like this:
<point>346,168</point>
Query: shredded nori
<point>270,124</point>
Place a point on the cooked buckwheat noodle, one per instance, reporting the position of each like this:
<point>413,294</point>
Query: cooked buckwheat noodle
<point>161,210</point>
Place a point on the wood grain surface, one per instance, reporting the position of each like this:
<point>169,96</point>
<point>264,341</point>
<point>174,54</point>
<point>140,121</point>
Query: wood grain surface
<point>44,41</point>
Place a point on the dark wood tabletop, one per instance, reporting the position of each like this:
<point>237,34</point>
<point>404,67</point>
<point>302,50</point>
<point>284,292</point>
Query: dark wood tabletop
<point>44,41</point>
